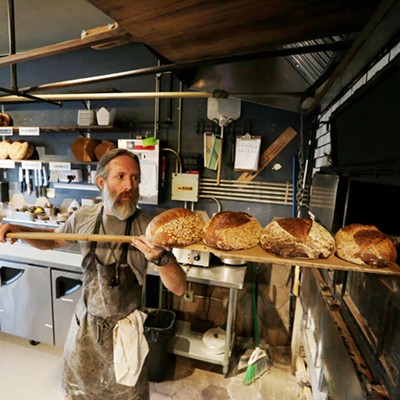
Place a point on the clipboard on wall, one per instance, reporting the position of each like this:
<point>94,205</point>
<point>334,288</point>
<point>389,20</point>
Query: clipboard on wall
<point>247,152</point>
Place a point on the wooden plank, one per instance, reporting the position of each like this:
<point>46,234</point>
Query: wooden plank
<point>270,153</point>
<point>258,255</point>
<point>96,37</point>
<point>69,236</point>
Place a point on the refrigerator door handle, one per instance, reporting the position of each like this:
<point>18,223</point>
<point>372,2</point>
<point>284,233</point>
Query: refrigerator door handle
<point>9,275</point>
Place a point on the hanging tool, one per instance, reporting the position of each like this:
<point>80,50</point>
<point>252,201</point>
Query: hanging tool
<point>223,111</point>
<point>36,182</point>
<point>45,182</point>
<point>21,179</point>
<point>270,153</point>
<point>39,175</point>
<point>27,182</point>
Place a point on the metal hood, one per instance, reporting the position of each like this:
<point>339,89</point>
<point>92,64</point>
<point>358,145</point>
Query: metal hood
<point>259,51</point>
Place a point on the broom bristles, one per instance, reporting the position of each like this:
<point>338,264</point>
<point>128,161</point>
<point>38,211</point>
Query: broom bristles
<point>259,363</point>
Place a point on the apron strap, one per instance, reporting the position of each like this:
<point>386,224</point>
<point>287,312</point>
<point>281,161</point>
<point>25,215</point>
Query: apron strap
<point>125,246</point>
<point>128,228</point>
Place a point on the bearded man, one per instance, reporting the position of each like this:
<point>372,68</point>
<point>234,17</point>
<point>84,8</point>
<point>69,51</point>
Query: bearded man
<point>112,285</point>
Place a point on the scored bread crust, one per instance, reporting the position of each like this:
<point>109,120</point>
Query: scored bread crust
<point>365,245</point>
<point>176,227</point>
<point>297,238</point>
<point>232,230</point>
<point>18,150</point>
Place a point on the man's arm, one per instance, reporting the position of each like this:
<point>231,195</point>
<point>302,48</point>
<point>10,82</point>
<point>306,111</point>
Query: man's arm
<point>39,244</point>
<point>171,274</point>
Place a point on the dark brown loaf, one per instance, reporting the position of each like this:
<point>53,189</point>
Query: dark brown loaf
<point>104,147</point>
<point>5,119</point>
<point>232,230</point>
<point>365,245</point>
<point>175,228</point>
<point>297,238</point>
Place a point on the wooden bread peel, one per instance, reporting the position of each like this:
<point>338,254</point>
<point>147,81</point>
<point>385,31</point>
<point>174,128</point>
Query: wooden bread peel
<point>255,254</point>
<point>270,153</point>
<point>69,236</point>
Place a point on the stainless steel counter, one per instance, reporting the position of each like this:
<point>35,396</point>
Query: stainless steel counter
<point>58,259</point>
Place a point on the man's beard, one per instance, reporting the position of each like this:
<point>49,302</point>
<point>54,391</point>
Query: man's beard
<point>122,209</point>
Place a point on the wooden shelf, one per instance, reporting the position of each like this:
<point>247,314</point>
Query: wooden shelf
<point>258,255</point>
<point>75,128</point>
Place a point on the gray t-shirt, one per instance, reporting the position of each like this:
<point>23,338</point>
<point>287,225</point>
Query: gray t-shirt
<point>83,220</point>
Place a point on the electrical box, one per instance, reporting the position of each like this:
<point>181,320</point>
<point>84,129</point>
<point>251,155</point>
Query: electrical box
<point>149,158</point>
<point>185,187</point>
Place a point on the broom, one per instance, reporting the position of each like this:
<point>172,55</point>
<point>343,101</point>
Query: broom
<point>259,361</point>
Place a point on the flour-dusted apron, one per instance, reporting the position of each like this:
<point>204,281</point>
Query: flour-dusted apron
<point>109,293</point>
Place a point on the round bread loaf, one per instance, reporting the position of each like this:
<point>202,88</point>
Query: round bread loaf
<point>232,230</point>
<point>29,151</point>
<point>297,238</point>
<point>5,119</point>
<point>18,150</point>
<point>175,228</point>
<point>4,149</point>
<point>365,245</point>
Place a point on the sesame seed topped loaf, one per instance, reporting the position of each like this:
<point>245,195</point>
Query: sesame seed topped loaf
<point>232,230</point>
<point>365,245</point>
<point>176,227</point>
<point>297,238</point>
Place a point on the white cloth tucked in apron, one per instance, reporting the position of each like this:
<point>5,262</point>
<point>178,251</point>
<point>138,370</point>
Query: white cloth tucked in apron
<point>130,348</point>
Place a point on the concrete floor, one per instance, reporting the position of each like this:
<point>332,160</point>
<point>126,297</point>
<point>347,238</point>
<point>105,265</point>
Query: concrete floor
<point>33,372</point>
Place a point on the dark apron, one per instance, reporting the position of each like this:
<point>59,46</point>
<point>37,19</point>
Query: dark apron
<point>109,293</point>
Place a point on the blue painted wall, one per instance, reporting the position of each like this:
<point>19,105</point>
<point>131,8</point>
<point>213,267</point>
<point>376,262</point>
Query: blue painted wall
<point>137,117</point>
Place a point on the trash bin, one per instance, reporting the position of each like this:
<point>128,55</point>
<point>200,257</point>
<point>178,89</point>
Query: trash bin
<point>158,329</point>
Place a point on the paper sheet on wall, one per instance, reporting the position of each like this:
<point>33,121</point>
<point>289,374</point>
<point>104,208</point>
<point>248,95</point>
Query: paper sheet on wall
<point>148,183</point>
<point>247,153</point>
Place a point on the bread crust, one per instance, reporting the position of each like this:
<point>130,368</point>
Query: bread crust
<point>5,119</point>
<point>365,245</point>
<point>4,149</point>
<point>232,230</point>
<point>18,150</point>
<point>176,227</point>
<point>297,238</point>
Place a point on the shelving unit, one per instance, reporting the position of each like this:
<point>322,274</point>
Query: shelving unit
<point>188,343</point>
<point>74,128</point>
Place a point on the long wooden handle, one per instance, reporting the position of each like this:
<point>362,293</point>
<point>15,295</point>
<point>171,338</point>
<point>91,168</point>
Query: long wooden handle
<point>220,157</point>
<point>69,236</point>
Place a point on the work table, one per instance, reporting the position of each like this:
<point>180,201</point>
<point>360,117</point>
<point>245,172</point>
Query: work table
<point>58,259</point>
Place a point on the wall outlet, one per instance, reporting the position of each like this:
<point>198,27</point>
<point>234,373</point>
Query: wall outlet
<point>225,302</point>
<point>189,296</point>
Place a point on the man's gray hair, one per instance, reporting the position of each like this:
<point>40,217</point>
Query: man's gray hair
<point>102,166</point>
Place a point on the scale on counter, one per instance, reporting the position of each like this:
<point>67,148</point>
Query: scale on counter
<point>192,257</point>
<point>203,258</point>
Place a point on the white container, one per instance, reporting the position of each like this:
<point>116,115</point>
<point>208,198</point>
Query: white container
<point>86,117</point>
<point>105,117</point>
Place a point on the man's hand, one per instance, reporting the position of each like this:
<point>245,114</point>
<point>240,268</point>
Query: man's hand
<point>149,250</point>
<point>4,229</point>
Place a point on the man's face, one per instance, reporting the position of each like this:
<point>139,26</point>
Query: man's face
<point>121,187</point>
